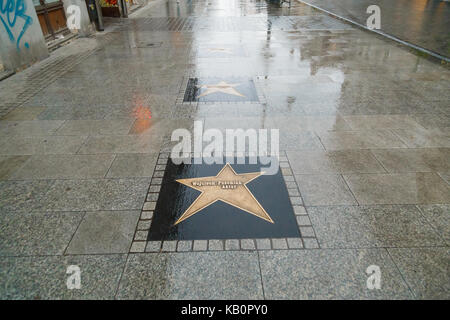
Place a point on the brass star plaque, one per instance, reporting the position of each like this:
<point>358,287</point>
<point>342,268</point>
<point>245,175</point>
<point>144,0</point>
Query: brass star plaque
<point>222,86</point>
<point>226,186</point>
<point>213,89</point>
<point>232,200</point>
<point>220,50</point>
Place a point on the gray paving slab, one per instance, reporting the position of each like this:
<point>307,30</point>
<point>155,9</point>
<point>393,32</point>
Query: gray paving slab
<point>329,274</point>
<point>133,165</point>
<point>407,188</point>
<point>438,216</point>
<point>413,160</point>
<point>98,194</point>
<point>324,190</point>
<point>18,145</point>
<point>29,128</point>
<point>120,144</point>
<point>373,226</point>
<point>64,167</point>
<point>37,233</point>
<point>45,277</point>
<point>95,127</point>
<point>104,232</point>
<point>332,162</point>
<point>192,276</point>
<point>23,195</point>
<point>10,164</point>
<point>425,270</point>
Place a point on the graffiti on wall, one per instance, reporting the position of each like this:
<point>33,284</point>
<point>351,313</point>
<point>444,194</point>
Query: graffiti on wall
<point>14,19</point>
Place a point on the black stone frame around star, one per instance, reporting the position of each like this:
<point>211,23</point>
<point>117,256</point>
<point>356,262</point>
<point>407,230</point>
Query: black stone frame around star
<point>221,220</point>
<point>245,86</point>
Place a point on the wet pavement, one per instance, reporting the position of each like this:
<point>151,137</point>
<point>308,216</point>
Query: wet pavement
<point>423,23</point>
<point>364,153</point>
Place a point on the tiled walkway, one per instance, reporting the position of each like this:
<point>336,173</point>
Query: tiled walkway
<point>364,133</point>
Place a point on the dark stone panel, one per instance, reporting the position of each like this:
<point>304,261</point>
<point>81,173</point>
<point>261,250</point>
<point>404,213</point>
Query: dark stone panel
<point>221,220</point>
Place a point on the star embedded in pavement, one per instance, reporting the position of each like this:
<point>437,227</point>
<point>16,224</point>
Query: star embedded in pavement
<point>226,186</point>
<point>222,50</point>
<point>222,86</point>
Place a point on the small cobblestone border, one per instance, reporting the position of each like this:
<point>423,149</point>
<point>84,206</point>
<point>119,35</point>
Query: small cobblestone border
<point>307,238</point>
<point>180,97</point>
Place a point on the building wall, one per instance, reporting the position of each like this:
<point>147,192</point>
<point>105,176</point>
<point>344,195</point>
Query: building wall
<point>22,41</point>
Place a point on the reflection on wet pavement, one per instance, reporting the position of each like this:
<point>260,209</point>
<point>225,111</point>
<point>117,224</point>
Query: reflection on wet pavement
<point>364,137</point>
<point>423,23</point>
